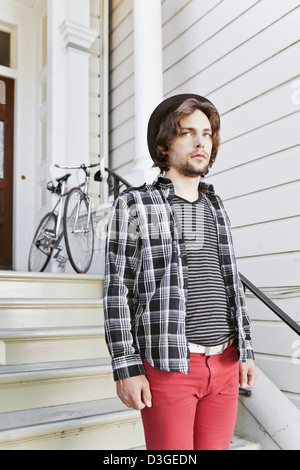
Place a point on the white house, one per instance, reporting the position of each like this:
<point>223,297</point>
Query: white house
<point>81,78</point>
<point>244,57</point>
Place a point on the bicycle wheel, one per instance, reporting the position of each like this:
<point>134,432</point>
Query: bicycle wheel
<point>42,244</point>
<point>78,231</point>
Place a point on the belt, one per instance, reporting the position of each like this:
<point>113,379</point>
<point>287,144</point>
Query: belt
<point>209,350</point>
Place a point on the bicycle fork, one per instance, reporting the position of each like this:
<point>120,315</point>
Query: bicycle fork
<point>77,217</point>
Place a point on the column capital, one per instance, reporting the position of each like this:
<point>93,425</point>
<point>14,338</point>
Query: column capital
<point>77,36</point>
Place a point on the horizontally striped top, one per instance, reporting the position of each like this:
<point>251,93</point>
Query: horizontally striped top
<point>146,281</point>
<point>208,319</point>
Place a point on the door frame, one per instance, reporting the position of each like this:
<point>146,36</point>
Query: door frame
<point>10,86</point>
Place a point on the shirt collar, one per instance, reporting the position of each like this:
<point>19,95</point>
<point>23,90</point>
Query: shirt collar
<point>165,183</point>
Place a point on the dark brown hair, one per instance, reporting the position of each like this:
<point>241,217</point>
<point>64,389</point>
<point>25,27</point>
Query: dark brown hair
<point>170,129</point>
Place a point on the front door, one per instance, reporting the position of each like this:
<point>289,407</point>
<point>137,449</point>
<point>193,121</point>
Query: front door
<point>6,172</point>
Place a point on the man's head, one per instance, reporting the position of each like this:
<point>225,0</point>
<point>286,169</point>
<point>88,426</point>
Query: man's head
<point>165,127</point>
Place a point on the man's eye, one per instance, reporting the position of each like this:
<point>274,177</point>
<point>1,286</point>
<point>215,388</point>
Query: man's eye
<point>186,133</point>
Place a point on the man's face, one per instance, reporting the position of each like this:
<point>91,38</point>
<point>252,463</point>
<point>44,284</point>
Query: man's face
<point>190,152</point>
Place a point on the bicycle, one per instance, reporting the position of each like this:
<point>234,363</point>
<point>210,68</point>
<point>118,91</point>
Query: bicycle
<point>71,219</point>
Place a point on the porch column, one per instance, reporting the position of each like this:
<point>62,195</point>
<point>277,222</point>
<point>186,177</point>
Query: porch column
<point>77,39</point>
<point>148,71</point>
<point>68,80</point>
<point>69,41</point>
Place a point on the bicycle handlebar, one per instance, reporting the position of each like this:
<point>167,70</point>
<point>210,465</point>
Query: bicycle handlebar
<point>77,167</point>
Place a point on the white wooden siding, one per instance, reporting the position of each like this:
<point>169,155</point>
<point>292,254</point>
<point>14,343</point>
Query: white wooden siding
<point>244,56</point>
<point>121,86</point>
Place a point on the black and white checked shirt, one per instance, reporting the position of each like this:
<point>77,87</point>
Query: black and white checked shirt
<point>146,280</point>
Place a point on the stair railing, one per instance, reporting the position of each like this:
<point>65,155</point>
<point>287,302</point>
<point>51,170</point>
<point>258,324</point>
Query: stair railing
<point>115,183</point>
<point>270,304</point>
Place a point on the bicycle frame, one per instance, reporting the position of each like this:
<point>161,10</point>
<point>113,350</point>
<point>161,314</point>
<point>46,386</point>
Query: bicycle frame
<point>85,189</point>
<point>84,229</point>
<point>59,212</point>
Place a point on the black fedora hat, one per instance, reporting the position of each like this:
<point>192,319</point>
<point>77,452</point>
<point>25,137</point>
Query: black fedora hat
<point>165,108</point>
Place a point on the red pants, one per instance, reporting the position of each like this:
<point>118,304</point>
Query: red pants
<point>196,411</point>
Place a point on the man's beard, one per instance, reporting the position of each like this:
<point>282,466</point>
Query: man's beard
<point>192,171</point>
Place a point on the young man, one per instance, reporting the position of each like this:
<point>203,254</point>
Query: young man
<point>176,323</point>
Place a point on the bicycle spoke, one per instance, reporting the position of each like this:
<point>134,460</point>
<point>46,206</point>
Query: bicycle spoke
<point>78,231</point>
<point>42,244</point>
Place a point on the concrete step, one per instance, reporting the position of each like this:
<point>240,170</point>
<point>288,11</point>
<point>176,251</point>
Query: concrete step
<point>23,346</point>
<point>54,383</point>
<point>50,285</point>
<point>241,443</point>
<point>49,313</point>
<point>237,443</point>
<point>94,425</point>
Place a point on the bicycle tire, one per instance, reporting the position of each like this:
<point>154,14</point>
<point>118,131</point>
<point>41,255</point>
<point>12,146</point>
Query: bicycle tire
<point>78,231</point>
<point>42,245</point>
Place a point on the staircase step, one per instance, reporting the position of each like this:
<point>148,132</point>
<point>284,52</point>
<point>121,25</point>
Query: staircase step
<point>23,346</point>
<point>56,386</point>
<point>47,285</point>
<point>55,383</point>
<point>95,425</point>
<point>241,443</point>
<point>237,443</point>
<point>47,313</point>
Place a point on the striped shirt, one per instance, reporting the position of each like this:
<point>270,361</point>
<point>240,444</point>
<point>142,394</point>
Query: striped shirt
<point>146,281</point>
<point>208,319</point>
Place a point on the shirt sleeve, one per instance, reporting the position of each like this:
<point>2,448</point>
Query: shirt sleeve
<point>246,324</point>
<point>119,300</point>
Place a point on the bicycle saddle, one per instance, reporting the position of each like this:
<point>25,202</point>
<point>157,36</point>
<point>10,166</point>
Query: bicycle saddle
<point>63,178</point>
<point>57,189</point>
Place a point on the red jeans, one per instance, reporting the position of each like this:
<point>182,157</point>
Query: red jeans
<point>196,411</point>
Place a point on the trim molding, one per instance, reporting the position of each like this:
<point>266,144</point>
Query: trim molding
<point>77,36</point>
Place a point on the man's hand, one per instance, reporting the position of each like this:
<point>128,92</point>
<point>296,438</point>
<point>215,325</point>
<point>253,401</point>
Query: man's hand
<point>248,374</point>
<point>134,392</point>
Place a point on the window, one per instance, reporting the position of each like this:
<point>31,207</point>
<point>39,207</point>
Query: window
<point>5,39</point>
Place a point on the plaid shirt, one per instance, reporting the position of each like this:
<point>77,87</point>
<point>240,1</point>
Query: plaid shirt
<point>146,278</point>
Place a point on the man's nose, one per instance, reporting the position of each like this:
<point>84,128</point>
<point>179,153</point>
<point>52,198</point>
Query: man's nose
<point>199,141</point>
